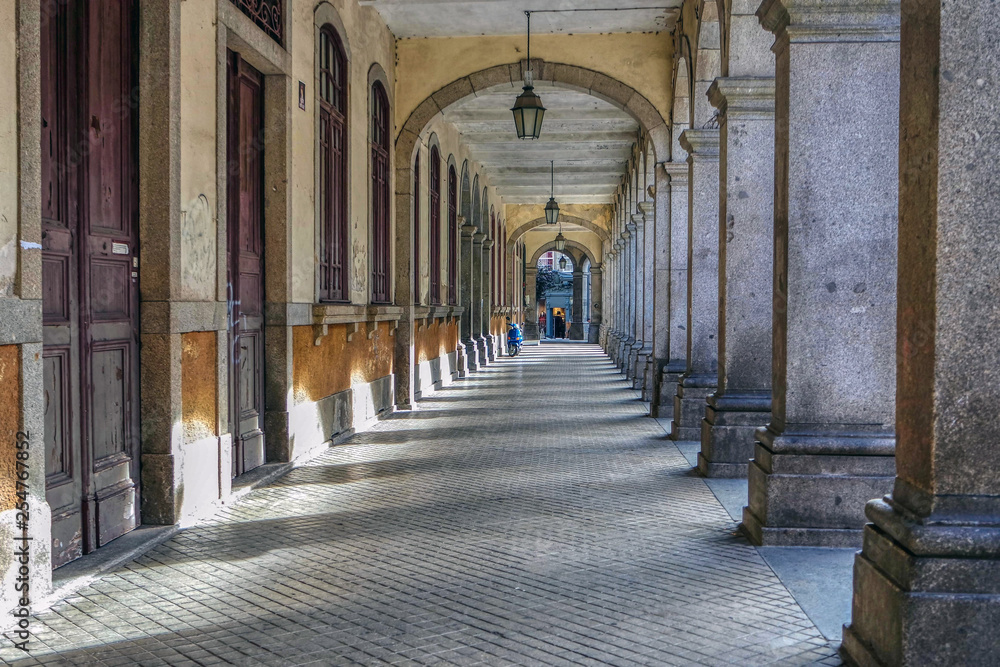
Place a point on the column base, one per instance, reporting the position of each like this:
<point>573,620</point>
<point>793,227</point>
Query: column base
<point>594,333</point>
<point>461,361</point>
<point>689,405</point>
<point>576,331</point>
<point>809,487</point>
<point>649,376</point>
<point>728,432</point>
<point>530,331</point>
<point>471,355</point>
<point>491,352</point>
<point>623,355</point>
<point>927,589</point>
<point>663,406</point>
<point>482,352</point>
<point>638,360</point>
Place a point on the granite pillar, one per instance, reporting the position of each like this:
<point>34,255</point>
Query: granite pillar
<point>596,303</point>
<point>479,304</point>
<point>576,316</point>
<point>637,284</point>
<point>468,301</point>
<point>671,287</point>
<point>647,362</point>
<point>531,308</point>
<point>829,445</point>
<point>701,375</point>
<point>742,402</point>
<point>487,297</point>
<point>927,581</point>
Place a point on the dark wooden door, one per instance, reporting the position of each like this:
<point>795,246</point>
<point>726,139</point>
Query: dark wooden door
<point>90,274</point>
<point>246,262</point>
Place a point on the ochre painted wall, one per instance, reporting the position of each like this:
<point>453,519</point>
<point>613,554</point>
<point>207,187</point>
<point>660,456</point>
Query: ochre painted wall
<point>199,389</point>
<point>642,61</point>
<point>10,423</point>
<point>335,364</point>
<point>437,339</point>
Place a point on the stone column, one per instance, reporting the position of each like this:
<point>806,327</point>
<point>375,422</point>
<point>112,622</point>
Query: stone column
<point>576,323</point>
<point>531,311</point>
<point>628,296</point>
<point>671,287</point>
<point>487,318</point>
<point>829,445</point>
<point>742,402</point>
<point>638,298</point>
<point>478,292</point>
<point>618,334</point>
<point>596,303</point>
<point>611,270</point>
<point>468,300</point>
<point>646,354</point>
<point>701,375</point>
<point>926,584</point>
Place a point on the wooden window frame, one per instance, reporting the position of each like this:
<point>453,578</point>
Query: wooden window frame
<point>452,236</point>
<point>435,225</point>
<point>333,192</point>
<point>381,290</point>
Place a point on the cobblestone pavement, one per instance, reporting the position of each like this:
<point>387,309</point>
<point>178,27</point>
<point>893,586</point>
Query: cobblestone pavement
<point>530,515</point>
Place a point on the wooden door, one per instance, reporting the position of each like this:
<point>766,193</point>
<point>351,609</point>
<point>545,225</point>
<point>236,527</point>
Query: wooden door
<point>245,116</point>
<point>90,274</point>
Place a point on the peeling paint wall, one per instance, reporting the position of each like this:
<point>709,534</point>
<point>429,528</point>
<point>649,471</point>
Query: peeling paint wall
<point>10,422</point>
<point>336,363</point>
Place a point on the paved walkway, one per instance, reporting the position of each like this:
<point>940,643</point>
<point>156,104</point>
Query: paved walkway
<point>531,515</point>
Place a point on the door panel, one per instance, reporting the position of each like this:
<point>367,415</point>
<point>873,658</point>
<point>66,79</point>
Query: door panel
<point>246,263</point>
<point>90,279</point>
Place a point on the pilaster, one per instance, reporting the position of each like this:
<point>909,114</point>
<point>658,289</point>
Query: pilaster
<point>742,402</point>
<point>829,445</point>
<point>701,374</point>
<point>927,581</point>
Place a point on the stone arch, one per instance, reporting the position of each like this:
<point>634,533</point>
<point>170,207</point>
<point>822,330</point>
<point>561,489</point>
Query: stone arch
<point>569,76</point>
<point>516,235</point>
<point>326,14</point>
<point>583,252</point>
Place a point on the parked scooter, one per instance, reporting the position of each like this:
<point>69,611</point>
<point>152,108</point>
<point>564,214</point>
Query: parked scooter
<point>514,339</point>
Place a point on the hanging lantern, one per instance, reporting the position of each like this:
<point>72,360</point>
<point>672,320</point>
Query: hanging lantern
<point>528,110</point>
<point>560,241</point>
<point>562,262</point>
<point>552,208</point>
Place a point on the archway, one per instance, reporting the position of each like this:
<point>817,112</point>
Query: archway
<point>516,234</point>
<point>562,75</point>
<point>580,255</point>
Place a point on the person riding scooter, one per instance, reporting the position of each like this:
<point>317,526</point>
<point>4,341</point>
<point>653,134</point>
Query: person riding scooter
<point>514,339</point>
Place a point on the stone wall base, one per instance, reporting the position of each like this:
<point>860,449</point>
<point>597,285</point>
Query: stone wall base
<point>471,355</point>
<point>430,376</point>
<point>663,406</point>
<point>728,432</point>
<point>809,488</point>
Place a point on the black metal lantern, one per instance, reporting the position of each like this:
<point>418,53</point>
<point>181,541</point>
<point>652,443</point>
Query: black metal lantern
<point>562,263</point>
<point>560,240</point>
<point>528,110</point>
<point>552,208</point>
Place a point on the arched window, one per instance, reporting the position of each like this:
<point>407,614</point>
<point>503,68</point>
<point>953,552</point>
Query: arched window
<point>380,193</point>
<point>435,170</point>
<point>416,229</point>
<point>332,167</point>
<point>452,236</point>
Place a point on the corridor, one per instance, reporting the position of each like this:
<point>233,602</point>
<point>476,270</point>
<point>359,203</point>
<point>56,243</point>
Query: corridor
<point>528,515</point>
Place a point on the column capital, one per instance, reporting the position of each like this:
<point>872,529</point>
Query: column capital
<point>746,98</point>
<point>831,20</point>
<point>487,243</point>
<point>596,269</point>
<point>677,172</point>
<point>700,143</point>
<point>468,231</point>
<point>638,220</point>
<point>648,208</point>
<point>620,244</point>
<point>629,230</point>
<point>478,237</point>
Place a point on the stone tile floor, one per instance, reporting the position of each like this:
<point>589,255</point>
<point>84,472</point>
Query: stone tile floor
<point>530,515</point>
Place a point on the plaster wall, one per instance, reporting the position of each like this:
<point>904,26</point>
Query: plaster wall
<point>641,61</point>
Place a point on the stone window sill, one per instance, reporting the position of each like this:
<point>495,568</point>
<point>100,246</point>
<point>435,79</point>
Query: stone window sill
<point>423,315</point>
<point>358,318</point>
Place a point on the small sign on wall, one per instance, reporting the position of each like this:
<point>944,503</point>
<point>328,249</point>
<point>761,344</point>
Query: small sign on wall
<point>302,95</point>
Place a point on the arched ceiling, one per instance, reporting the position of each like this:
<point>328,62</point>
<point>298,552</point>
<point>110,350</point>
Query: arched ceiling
<point>456,18</point>
<point>589,139</point>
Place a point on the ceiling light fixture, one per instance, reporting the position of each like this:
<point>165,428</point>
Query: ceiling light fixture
<point>552,208</point>
<point>528,110</point>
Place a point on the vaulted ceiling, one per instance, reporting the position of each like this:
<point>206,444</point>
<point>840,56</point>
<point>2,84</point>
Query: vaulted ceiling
<point>457,18</point>
<point>589,140</point>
